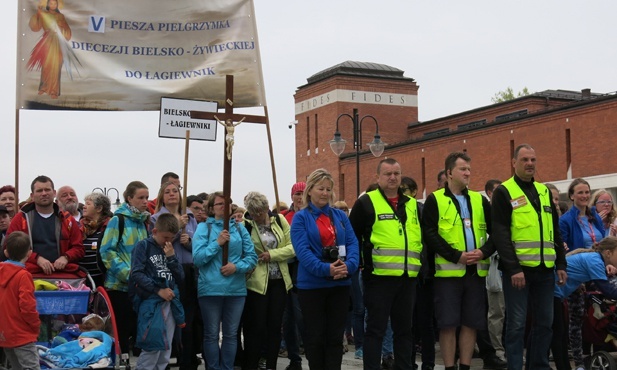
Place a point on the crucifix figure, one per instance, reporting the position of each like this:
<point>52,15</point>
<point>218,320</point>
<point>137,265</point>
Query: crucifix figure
<point>230,127</point>
<point>227,119</point>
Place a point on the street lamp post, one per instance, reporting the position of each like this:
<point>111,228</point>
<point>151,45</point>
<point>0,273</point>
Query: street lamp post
<point>337,144</point>
<point>106,192</point>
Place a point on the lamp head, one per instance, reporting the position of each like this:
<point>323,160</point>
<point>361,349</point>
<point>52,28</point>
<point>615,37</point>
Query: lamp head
<point>338,144</point>
<point>376,146</point>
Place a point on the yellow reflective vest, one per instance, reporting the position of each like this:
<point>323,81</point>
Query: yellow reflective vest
<point>396,247</point>
<point>532,234</point>
<point>450,227</point>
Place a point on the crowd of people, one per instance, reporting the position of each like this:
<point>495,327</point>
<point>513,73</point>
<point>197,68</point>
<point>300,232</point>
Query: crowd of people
<point>505,272</point>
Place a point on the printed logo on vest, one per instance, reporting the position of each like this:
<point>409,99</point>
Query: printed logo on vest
<point>386,216</point>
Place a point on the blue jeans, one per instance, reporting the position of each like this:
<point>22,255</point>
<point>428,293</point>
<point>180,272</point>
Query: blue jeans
<point>387,346</point>
<point>214,311</point>
<point>538,293</point>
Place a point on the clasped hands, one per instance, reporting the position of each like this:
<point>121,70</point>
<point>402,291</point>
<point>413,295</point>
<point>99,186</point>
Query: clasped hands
<point>48,267</point>
<point>471,258</point>
<point>338,270</point>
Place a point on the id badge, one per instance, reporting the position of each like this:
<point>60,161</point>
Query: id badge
<point>342,250</point>
<point>518,202</point>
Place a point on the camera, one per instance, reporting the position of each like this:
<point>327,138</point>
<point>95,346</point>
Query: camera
<point>330,254</point>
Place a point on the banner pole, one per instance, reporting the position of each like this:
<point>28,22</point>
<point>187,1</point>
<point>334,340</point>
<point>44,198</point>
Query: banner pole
<point>16,159</point>
<point>186,171</point>
<point>276,190</point>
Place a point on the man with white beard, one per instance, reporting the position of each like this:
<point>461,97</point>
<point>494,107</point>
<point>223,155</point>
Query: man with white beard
<point>68,202</point>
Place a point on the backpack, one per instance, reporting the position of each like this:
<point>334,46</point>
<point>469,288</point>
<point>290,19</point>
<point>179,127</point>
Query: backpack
<point>248,226</point>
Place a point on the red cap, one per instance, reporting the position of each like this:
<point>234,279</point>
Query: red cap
<point>298,187</point>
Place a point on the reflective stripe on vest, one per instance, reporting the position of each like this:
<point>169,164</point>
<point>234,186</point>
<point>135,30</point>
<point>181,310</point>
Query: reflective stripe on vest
<point>451,229</point>
<point>533,242</point>
<point>388,238</point>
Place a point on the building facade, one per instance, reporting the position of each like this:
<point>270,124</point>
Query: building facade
<point>571,132</point>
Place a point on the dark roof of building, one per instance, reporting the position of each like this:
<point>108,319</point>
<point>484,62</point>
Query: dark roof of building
<point>565,94</point>
<point>361,69</point>
<point>578,100</point>
<point>569,96</point>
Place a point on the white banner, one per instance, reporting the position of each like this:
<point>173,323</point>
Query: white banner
<point>126,55</point>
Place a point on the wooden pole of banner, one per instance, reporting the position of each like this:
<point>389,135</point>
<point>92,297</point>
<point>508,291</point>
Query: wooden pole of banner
<point>186,172</point>
<point>227,119</point>
<point>16,159</point>
<point>276,190</point>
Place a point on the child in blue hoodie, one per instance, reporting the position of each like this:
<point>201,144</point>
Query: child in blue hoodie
<point>153,288</point>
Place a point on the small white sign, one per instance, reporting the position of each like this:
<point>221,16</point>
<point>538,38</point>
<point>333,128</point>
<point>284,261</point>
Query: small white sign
<point>175,119</point>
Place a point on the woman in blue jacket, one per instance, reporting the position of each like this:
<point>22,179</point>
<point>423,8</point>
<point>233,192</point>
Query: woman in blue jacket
<point>580,227</point>
<point>327,249</point>
<point>221,289</point>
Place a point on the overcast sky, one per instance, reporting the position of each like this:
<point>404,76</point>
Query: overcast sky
<point>459,52</point>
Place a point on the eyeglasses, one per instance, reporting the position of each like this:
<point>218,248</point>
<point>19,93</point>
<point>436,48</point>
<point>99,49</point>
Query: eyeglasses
<point>219,204</point>
<point>604,202</point>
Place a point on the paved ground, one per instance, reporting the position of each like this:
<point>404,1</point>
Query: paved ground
<point>349,362</point>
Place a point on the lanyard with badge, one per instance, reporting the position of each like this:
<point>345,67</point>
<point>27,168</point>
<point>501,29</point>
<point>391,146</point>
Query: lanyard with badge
<point>591,233</point>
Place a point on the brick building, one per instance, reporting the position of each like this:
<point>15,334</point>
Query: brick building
<point>572,132</point>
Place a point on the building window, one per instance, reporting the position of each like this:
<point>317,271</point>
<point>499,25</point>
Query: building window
<point>568,154</point>
<point>316,131</point>
<point>341,182</point>
<point>308,134</point>
<point>423,179</point>
<point>511,156</point>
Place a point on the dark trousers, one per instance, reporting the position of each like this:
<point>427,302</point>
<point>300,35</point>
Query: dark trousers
<point>293,327</point>
<point>190,334</point>
<point>423,319</point>
<point>392,297</point>
<point>263,316</point>
<point>559,345</point>
<point>325,312</point>
<point>357,313</point>
<point>126,319</point>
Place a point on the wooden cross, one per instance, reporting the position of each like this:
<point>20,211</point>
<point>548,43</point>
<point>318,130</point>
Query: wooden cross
<point>227,119</point>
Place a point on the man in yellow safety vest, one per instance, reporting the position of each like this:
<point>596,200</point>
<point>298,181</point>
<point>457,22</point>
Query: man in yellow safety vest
<point>526,234</point>
<point>387,225</point>
<point>456,224</point>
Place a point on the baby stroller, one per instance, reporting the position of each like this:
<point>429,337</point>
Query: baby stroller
<point>79,299</point>
<point>600,329</point>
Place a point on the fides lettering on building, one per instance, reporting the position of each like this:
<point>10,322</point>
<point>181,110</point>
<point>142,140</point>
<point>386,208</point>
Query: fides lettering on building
<point>354,96</point>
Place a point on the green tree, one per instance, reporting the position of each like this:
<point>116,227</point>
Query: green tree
<point>508,94</point>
